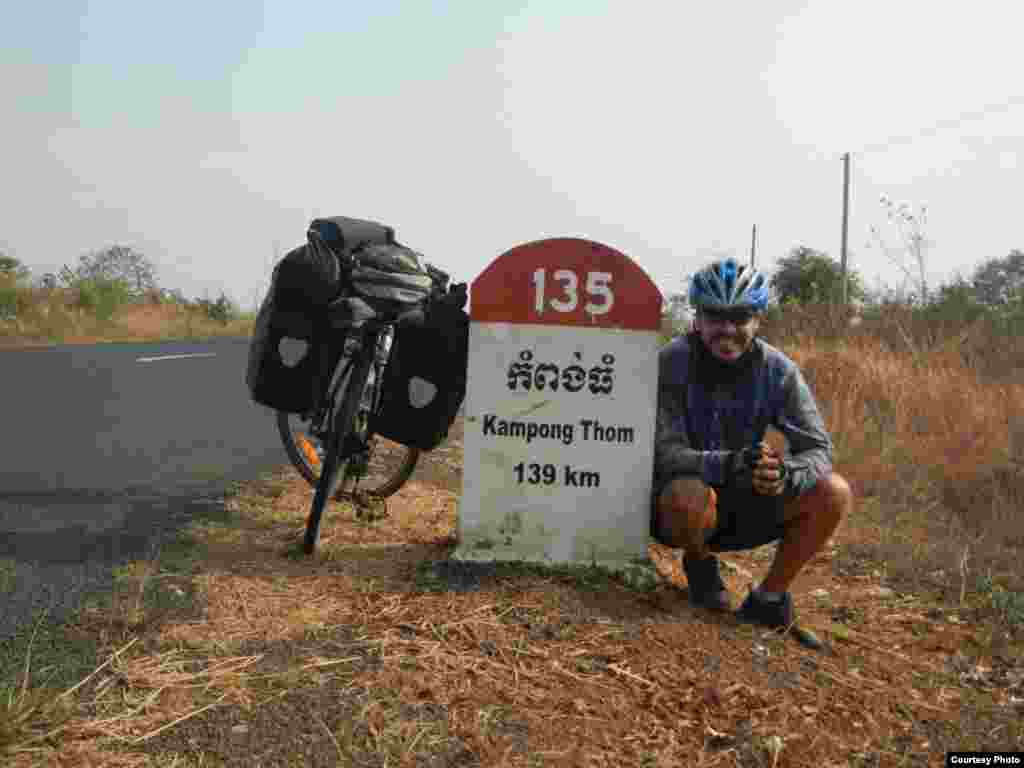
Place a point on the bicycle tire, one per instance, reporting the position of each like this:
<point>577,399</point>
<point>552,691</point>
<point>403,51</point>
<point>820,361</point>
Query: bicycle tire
<point>342,419</point>
<point>303,462</point>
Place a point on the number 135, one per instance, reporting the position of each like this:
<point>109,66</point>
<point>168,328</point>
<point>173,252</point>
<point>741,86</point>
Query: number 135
<point>598,285</point>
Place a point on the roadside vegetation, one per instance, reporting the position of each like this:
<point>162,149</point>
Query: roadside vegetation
<point>103,300</point>
<point>231,648</point>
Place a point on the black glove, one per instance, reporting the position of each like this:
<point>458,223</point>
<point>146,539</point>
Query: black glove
<point>741,464</point>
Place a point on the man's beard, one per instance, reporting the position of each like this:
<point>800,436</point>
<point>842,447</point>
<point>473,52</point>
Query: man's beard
<point>714,370</point>
<point>735,347</point>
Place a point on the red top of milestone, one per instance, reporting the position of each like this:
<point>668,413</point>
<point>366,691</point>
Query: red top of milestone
<point>566,281</point>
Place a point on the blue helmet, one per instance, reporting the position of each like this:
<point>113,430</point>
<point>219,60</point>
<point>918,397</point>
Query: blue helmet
<point>727,285</point>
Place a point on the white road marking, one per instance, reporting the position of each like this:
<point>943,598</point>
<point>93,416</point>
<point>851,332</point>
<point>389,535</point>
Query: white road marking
<point>174,357</point>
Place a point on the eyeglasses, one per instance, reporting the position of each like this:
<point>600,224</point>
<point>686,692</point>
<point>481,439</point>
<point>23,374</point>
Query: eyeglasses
<point>721,316</point>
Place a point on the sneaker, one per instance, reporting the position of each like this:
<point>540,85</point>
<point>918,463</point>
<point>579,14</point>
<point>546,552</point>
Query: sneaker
<point>777,614</point>
<point>705,582</point>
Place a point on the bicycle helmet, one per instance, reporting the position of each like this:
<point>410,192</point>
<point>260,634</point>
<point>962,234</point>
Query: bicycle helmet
<point>729,285</point>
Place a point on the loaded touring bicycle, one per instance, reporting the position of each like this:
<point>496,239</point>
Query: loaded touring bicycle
<point>361,348</point>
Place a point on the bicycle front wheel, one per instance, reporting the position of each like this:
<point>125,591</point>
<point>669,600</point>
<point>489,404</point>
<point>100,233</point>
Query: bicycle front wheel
<point>342,423</point>
<point>390,463</point>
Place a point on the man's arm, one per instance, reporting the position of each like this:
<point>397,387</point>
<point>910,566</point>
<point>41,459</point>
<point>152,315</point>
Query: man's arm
<point>673,453</point>
<point>810,445</point>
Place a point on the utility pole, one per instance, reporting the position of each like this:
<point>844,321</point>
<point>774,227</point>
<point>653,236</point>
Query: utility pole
<point>753,245</point>
<point>846,218</point>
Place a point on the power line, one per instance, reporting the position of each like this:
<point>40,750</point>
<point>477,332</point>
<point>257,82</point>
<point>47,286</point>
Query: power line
<point>946,123</point>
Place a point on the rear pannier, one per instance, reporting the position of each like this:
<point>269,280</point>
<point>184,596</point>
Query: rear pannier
<point>425,379</point>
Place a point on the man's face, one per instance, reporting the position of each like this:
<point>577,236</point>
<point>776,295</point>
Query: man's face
<point>727,333</point>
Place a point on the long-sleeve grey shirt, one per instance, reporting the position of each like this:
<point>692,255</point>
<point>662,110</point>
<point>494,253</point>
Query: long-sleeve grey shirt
<point>702,417</point>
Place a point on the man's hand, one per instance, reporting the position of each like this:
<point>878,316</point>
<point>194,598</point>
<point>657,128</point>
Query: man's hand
<point>768,472</point>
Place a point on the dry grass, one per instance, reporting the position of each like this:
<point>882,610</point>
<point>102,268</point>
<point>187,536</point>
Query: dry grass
<point>49,317</point>
<point>374,652</point>
<point>234,649</point>
<point>932,442</point>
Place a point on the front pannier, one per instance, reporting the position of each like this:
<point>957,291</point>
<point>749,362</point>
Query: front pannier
<point>425,379</point>
<point>287,314</point>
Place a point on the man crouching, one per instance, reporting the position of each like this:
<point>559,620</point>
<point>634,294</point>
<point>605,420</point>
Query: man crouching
<point>718,486</point>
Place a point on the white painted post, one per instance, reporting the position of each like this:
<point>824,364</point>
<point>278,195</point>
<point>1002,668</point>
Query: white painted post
<point>560,407</point>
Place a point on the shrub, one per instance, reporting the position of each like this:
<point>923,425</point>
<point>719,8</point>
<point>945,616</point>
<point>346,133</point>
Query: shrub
<point>102,297</point>
<point>223,310</point>
<point>8,302</point>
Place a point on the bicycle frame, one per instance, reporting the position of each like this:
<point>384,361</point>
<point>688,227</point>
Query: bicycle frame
<point>355,342</point>
<point>341,411</point>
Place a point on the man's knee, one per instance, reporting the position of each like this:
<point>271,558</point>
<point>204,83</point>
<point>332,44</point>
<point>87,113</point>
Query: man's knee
<point>836,493</point>
<point>831,497</point>
<point>685,506</point>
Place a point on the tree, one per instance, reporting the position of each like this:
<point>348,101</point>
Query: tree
<point>956,300</point>
<point>115,263</point>
<point>910,228</point>
<point>676,312</point>
<point>223,310</point>
<point>12,268</point>
<point>999,282</point>
<point>808,276</point>
<point>678,304</point>
<point>12,272</point>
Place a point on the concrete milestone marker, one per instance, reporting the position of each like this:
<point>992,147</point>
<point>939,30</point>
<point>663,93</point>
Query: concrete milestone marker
<point>560,407</point>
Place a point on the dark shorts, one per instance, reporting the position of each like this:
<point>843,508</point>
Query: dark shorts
<point>746,520</point>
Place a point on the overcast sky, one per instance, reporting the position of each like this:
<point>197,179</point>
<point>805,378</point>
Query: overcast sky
<point>209,134</point>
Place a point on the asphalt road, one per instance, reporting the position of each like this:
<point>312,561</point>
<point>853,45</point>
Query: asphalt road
<point>103,447</point>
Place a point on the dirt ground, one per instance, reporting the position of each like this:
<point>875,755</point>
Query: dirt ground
<point>377,651</point>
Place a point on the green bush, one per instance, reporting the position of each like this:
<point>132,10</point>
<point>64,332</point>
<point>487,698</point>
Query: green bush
<point>8,301</point>
<point>1007,604</point>
<point>223,310</point>
<point>102,297</point>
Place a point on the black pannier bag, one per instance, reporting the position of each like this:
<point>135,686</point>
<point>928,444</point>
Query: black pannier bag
<point>308,296</point>
<point>390,277</point>
<point>305,279</point>
<point>304,284</point>
<point>343,235</point>
<point>271,380</point>
<point>375,267</point>
<point>425,378</point>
